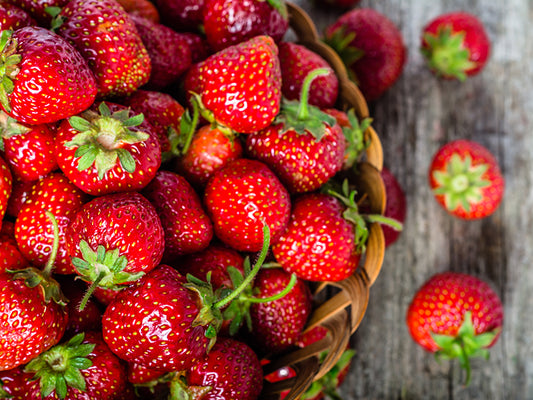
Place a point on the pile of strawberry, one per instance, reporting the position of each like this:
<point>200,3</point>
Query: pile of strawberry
<point>166,197</point>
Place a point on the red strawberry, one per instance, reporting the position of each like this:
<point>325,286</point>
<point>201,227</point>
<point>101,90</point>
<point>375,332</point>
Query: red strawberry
<point>210,149</point>
<point>455,45</point>
<point>28,149</point>
<point>108,151</point>
<point>13,17</point>
<point>187,227</point>
<point>240,86</point>
<point>10,256</point>
<point>304,146</point>
<point>181,15</point>
<point>396,205</point>
<point>139,374</point>
<point>231,369</point>
<point>199,44</point>
<point>296,62</point>
<point>38,9</point>
<point>455,315</point>
<point>115,239</point>
<point>20,191</point>
<point>169,51</point>
<point>371,47</point>
<point>105,35</point>
<point>243,196</point>
<point>466,179</point>
<point>229,22</point>
<point>89,370</point>
<point>42,71</point>
<point>277,324</point>
<point>33,230</point>
<point>142,8</point>
<point>6,184</point>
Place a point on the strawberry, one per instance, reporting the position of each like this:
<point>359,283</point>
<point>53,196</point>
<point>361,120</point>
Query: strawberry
<point>28,149</point>
<point>395,206</point>
<point>296,62</point>
<point>141,8</point>
<point>40,70</point>
<point>181,15</point>
<point>38,9</point>
<point>139,374</point>
<point>466,179</point>
<point>455,315</point>
<point>6,184</point>
<point>169,51</point>
<point>240,86</point>
<point>33,231</point>
<point>10,256</point>
<point>455,45</point>
<point>115,239</point>
<point>108,150</point>
<point>187,227</point>
<point>105,35</point>
<point>20,191</point>
<point>12,17</point>
<point>32,310</point>
<point>229,22</point>
<point>240,198</point>
<point>371,47</point>
<point>198,42</point>
<point>304,146</point>
<point>89,370</point>
<point>231,369</point>
<point>210,149</point>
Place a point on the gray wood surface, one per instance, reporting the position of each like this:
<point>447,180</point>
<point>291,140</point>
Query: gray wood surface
<point>413,119</point>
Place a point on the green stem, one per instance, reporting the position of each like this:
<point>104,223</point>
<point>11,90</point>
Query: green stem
<point>394,224</point>
<point>90,291</point>
<point>303,109</point>
<point>55,245</point>
<point>288,288</point>
<point>192,128</point>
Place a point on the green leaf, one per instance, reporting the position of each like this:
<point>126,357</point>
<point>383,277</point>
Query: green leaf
<point>80,124</point>
<point>126,160</point>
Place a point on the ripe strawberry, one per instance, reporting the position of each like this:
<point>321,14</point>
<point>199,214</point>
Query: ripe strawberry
<point>243,196</point>
<point>455,315</point>
<point>396,205</point>
<point>169,51</point>
<point>296,62</point>
<point>37,9</point>
<point>210,149</point>
<point>115,239</point>
<point>10,256</point>
<point>229,22</point>
<point>455,45</point>
<point>12,17</point>
<point>105,35</point>
<point>6,184</point>
<point>33,230</point>
<point>181,15</point>
<point>89,370</point>
<point>28,149</point>
<point>466,179</point>
<point>142,8</point>
<point>139,374</point>
<point>20,191</point>
<point>187,228</point>
<point>231,369</point>
<point>108,151</point>
<point>40,70</point>
<point>304,146</point>
<point>240,86</point>
<point>371,47</point>
<point>196,41</point>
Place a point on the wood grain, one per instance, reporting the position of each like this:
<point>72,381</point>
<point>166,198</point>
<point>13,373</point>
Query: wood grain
<point>417,115</point>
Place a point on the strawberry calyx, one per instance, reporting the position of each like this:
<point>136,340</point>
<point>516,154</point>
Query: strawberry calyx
<point>10,127</point>
<point>465,344</point>
<point>355,138</point>
<point>180,390</point>
<point>102,137</point>
<point>208,115</point>
<point>300,116</point>
<point>181,141</point>
<point>60,367</point>
<point>446,54</point>
<point>9,66</point>
<point>461,183</point>
<point>340,41</point>
<point>280,7</point>
<point>102,268</point>
<point>3,393</point>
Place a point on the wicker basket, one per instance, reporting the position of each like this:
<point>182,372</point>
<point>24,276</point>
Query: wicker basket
<point>345,302</point>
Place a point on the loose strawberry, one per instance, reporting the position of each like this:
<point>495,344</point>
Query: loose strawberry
<point>455,45</point>
<point>229,22</point>
<point>466,179</point>
<point>455,315</point>
<point>240,86</point>
<point>296,62</point>
<point>304,146</point>
<point>41,71</point>
<point>105,35</point>
<point>231,370</point>
<point>396,205</point>
<point>115,239</point>
<point>12,17</point>
<point>187,227</point>
<point>240,198</point>
<point>33,230</point>
<point>371,47</point>
<point>108,150</point>
<point>6,184</point>
<point>169,51</point>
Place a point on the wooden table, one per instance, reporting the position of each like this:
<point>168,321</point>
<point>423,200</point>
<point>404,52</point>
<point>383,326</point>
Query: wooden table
<point>413,119</point>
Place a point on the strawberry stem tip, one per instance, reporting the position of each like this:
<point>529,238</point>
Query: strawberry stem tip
<point>9,66</point>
